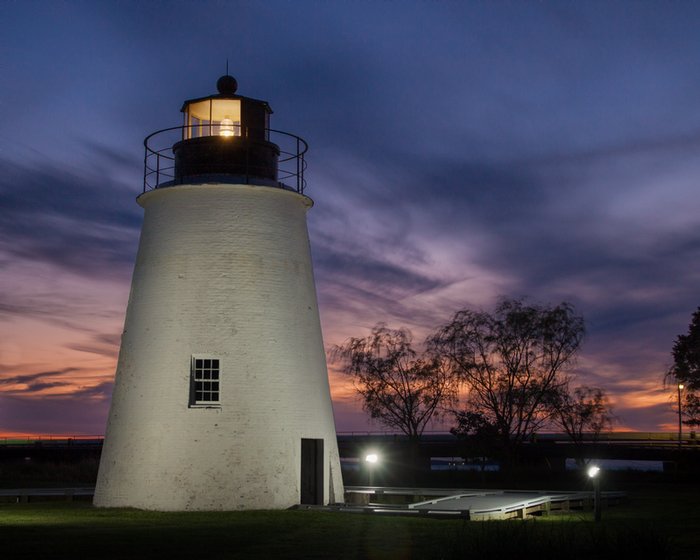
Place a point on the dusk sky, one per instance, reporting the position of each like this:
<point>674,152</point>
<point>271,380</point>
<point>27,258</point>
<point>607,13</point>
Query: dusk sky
<point>459,152</point>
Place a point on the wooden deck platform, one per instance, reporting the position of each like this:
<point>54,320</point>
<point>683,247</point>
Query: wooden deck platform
<point>433,502</point>
<point>478,504</point>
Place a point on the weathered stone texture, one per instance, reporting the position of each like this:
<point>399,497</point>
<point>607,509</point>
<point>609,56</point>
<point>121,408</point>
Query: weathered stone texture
<point>222,270</point>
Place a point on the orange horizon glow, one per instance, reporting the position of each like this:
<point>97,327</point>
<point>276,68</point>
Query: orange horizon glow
<point>670,430</point>
<point>67,355</point>
<point>41,436</point>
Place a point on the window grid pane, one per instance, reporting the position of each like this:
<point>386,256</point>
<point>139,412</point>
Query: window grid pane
<point>205,376</point>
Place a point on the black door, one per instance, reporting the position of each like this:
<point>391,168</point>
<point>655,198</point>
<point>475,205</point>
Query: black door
<point>312,471</point>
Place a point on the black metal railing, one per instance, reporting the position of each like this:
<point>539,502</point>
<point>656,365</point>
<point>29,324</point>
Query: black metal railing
<point>159,161</point>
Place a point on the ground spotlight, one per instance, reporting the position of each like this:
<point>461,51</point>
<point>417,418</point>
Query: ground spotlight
<point>372,459</point>
<point>593,472</point>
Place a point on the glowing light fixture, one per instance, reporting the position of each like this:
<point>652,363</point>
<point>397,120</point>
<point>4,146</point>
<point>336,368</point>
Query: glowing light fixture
<point>371,459</point>
<point>680,416</point>
<point>226,127</point>
<point>593,472</point>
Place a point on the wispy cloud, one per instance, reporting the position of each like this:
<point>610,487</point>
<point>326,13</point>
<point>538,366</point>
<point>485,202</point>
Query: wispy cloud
<point>100,392</point>
<point>450,167</point>
<point>33,377</point>
<point>81,222</point>
<point>102,344</point>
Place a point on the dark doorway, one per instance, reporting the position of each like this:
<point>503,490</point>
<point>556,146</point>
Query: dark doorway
<point>312,471</point>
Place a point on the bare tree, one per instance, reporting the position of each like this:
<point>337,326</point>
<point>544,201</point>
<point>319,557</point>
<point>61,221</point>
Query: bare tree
<point>583,413</point>
<point>398,388</point>
<point>512,362</point>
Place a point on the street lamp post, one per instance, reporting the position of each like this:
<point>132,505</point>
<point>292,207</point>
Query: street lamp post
<point>594,472</point>
<point>371,459</point>
<point>680,415</point>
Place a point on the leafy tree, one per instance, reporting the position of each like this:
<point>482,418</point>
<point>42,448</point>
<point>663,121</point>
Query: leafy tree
<point>691,409</point>
<point>399,388</point>
<point>477,433</point>
<point>473,425</point>
<point>686,369</point>
<point>512,362</point>
<point>583,412</point>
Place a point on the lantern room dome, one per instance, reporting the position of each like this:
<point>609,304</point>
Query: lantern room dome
<point>227,85</point>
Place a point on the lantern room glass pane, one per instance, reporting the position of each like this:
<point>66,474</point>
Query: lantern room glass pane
<point>226,117</point>
<point>213,117</point>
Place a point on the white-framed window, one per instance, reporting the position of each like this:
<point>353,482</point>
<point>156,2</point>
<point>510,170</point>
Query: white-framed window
<point>205,381</point>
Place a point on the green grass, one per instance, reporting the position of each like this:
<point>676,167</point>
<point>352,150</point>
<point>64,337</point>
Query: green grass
<point>669,509</point>
<point>660,523</point>
<point>660,520</point>
<point>77,530</point>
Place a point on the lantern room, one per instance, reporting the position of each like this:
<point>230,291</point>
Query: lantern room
<point>212,117</point>
<point>226,114</point>
<point>224,138</point>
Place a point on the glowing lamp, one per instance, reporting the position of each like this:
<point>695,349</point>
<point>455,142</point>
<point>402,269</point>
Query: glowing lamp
<point>680,416</point>
<point>225,114</point>
<point>371,459</point>
<point>226,127</point>
<point>593,472</point>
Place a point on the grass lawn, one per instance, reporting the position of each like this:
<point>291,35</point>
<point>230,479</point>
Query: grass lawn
<point>659,521</point>
<point>77,530</point>
<point>670,510</point>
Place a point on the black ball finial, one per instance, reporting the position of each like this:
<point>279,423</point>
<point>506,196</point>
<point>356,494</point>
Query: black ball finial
<point>227,85</point>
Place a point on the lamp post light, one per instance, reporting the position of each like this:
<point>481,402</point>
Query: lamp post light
<point>593,473</point>
<point>371,459</point>
<point>680,415</point>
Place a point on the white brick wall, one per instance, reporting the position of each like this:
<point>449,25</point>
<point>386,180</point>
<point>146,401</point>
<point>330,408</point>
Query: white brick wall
<point>222,270</point>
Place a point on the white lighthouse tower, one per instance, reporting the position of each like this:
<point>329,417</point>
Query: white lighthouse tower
<point>221,398</point>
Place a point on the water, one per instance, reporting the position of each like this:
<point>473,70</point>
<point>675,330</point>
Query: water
<point>441,464</point>
<point>459,464</point>
<point>619,465</point>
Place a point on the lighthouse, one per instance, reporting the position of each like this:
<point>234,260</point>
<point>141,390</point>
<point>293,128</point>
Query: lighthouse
<point>221,398</point>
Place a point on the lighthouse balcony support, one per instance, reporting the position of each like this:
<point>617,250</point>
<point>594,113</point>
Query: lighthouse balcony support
<point>174,156</point>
